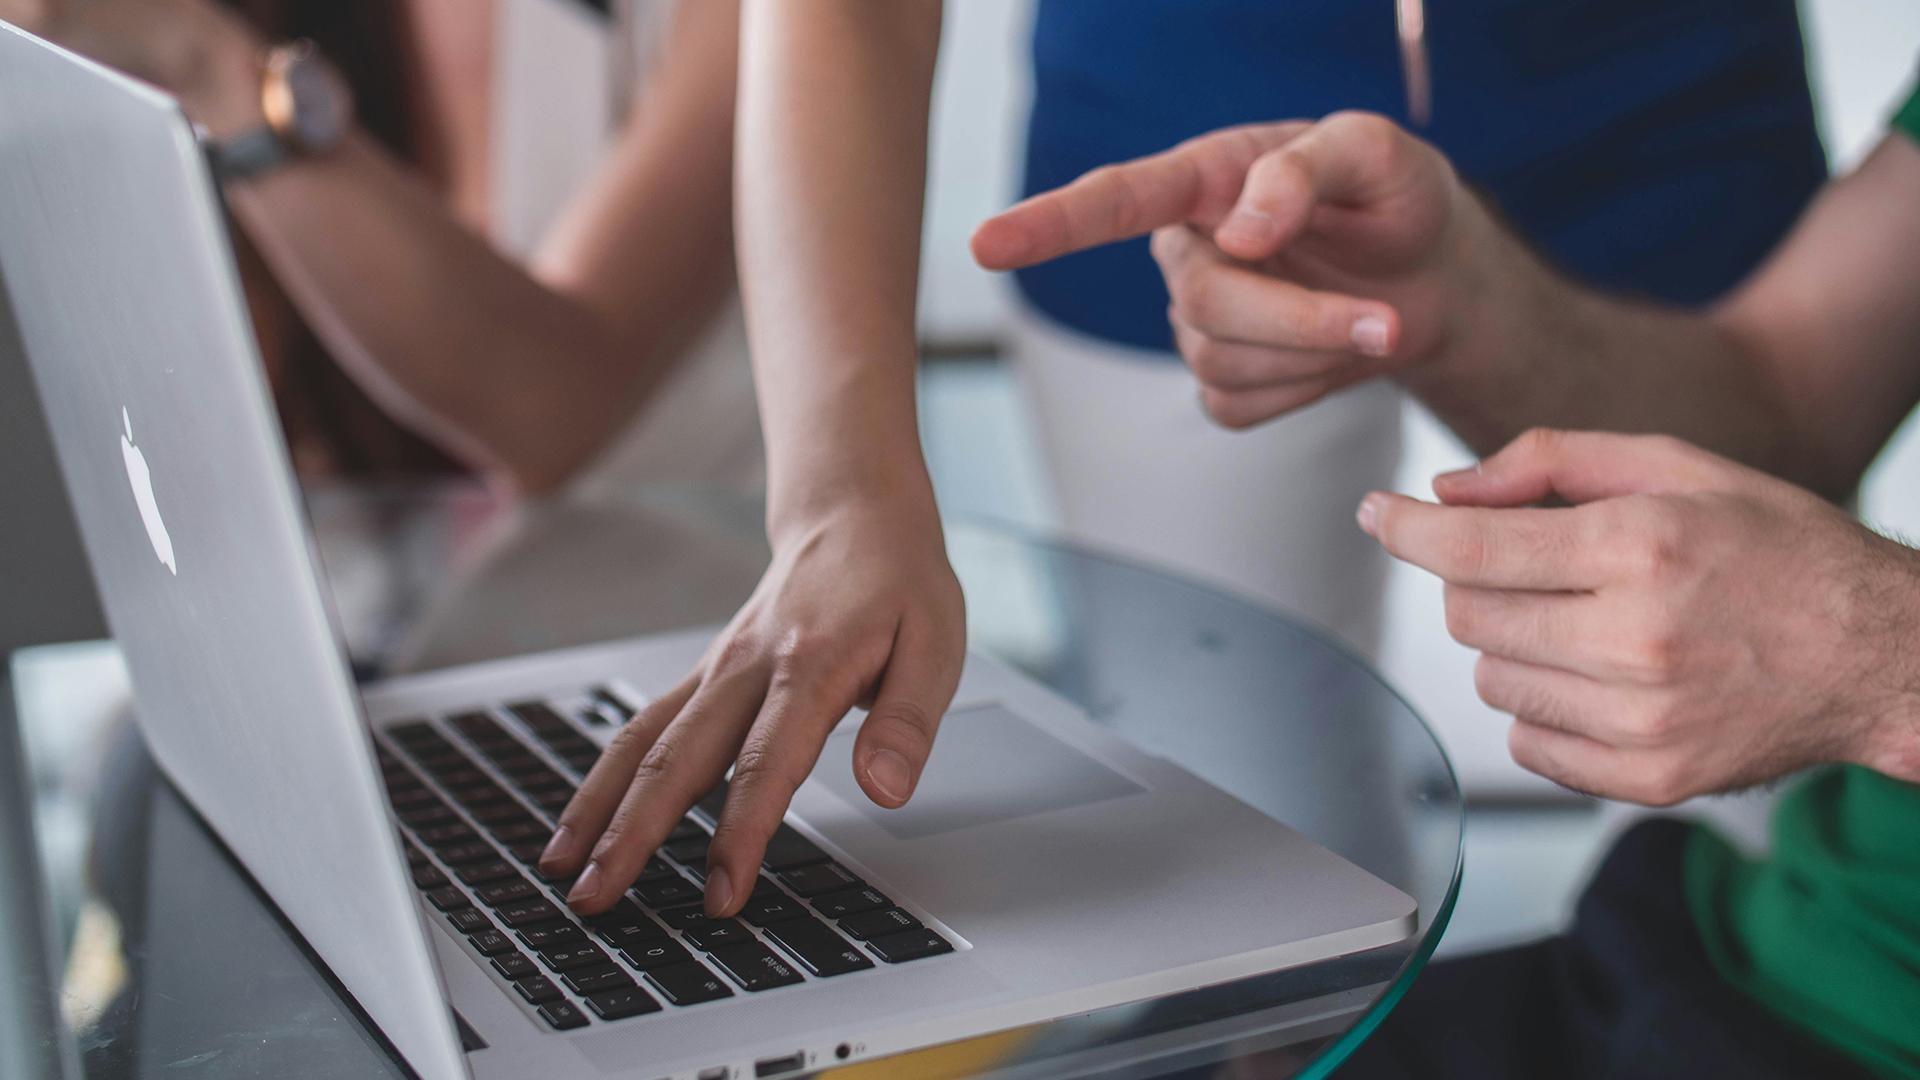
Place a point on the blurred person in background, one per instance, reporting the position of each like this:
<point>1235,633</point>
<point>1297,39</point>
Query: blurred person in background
<point>1622,138</point>
<point>498,236</point>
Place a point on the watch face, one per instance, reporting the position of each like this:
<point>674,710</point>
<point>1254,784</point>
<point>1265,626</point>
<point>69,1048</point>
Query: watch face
<point>322,105</point>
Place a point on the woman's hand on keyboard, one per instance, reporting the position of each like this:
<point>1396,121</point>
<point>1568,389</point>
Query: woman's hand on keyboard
<point>859,606</point>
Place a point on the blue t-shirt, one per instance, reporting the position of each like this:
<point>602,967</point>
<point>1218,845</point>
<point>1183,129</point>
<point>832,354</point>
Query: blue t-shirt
<point>1653,146</point>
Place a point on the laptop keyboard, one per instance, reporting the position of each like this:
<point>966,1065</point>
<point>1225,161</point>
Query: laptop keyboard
<point>476,794</point>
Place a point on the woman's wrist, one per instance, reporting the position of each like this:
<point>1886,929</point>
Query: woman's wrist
<point>900,489</point>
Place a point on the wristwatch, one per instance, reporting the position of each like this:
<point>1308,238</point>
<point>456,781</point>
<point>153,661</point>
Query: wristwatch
<point>308,109</point>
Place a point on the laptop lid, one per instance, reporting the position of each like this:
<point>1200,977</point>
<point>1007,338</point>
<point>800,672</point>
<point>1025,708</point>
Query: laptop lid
<point>129,309</point>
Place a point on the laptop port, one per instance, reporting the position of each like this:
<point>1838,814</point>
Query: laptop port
<point>776,1066</point>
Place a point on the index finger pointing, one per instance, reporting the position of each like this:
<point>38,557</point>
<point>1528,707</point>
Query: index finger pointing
<point>1498,549</point>
<point>1196,182</point>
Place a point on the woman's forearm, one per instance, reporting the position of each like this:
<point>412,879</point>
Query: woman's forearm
<point>522,371</point>
<point>831,170</point>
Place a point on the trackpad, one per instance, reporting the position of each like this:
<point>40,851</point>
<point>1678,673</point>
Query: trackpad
<point>988,765</point>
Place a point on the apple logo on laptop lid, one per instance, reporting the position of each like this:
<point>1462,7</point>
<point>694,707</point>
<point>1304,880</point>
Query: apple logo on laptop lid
<point>141,478</point>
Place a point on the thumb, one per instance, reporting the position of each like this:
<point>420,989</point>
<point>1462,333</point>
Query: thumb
<point>1579,467</point>
<point>897,735</point>
<point>1348,159</point>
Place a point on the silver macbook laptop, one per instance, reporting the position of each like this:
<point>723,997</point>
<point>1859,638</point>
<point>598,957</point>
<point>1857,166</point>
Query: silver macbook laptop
<point>1044,868</point>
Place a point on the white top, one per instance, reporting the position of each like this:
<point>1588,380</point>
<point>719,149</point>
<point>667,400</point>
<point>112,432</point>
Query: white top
<point>564,77</point>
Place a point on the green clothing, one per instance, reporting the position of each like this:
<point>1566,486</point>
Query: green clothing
<point>1826,931</point>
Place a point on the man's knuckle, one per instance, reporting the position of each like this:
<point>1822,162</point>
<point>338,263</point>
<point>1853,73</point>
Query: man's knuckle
<point>907,719</point>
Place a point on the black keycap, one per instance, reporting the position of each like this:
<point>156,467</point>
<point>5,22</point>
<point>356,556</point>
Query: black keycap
<point>551,935</point>
<point>898,948</point>
<point>527,854</point>
<point>562,1016</point>
<point>480,794</point>
<point>506,892</point>
<point>459,776</point>
<point>655,870</point>
<point>552,784</point>
<point>620,1004</point>
<point>414,733</point>
<point>491,942</point>
<point>767,909</point>
<point>687,984</point>
<point>647,955</point>
<point>872,924</point>
<point>594,980</point>
<point>428,876</point>
<point>441,837</point>
<point>475,725</point>
<point>415,857</point>
<point>428,816</point>
<point>448,899</point>
<point>692,849</point>
<point>482,873</point>
<point>470,920</point>
<point>405,799</point>
<point>513,966</point>
<point>682,917</point>
<point>666,892</point>
<point>539,717</point>
<point>817,878</point>
<point>818,949</point>
<point>504,812</point>
<point>583,954</point>
<point>525,832</point>
<point>527,912</point>
<point>755,967</point>
<point>616,701</point>
<point>582,761</point>
<point>523,768</point>
<point>625,924</point>
<point>839,905</point>
<point>471,851</point>
<point>716,934</point>
<point>789,849</point>
<point>538,989</point>
<point>553,802</point>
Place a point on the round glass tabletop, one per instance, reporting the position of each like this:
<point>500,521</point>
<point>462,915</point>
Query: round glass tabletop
<point>1269,710</point>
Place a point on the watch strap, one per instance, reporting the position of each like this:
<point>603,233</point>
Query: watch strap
<point>249,154</point>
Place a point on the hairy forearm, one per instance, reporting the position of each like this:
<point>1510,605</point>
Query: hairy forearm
<point>831,164</point>
<point>1536,349</point>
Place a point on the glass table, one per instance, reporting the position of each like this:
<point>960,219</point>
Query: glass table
<point>171,963</point>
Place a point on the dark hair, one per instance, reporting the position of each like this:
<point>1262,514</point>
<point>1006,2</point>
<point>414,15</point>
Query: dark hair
<point>330,422</point>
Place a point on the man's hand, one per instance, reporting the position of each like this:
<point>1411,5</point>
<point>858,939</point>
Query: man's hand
<point>1301,257</point>
<point>1687,626</point>
<point>859,607</point>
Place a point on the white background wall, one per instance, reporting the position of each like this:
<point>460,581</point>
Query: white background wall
<point>1863,54</point>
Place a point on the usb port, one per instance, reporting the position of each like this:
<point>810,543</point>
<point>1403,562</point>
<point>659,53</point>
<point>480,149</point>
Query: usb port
<point>778,1065</point>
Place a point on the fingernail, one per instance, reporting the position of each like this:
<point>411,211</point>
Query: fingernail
<point>887,771</point>
<point>719,891</point>
<point>1451,475</point>
<point>1248,223</point>
<point>559,846</point>
<point>1370,335</point>
<point>586,886</point>
<point>1369,514</point>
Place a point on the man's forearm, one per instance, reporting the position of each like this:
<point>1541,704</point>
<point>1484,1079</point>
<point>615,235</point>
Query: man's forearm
<point>1536,349</point>
<point>831,167</point>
